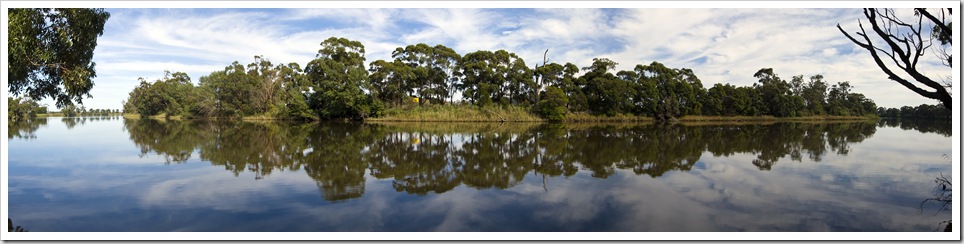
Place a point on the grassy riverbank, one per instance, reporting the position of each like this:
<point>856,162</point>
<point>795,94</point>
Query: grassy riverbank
<point>50,115</point>
<point>469,113</point>
<point>177,117</point>
<point>59,114</point>
<point>458,113</point>
<point>699,118</point>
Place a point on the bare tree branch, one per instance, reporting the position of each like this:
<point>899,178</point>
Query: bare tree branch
<point>906,46</point>
<point>939,23</point>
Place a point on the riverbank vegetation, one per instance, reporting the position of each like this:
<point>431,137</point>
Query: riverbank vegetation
<point>19,109</point>
<point>434,83</point>
<point>923,111</point>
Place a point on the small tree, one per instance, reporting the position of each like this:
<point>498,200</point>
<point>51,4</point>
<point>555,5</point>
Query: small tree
<point>552,104</point>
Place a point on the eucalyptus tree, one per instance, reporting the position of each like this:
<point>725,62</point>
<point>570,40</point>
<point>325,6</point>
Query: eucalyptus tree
<point>777,94</point>
<point>605,93</point>
<point>339,80</point>
<point>643,94</point>
<point>50,52</point>
<point>229,91</point>
<point>432,69</point>
<point>692,91</point>
<point>522,88</point>
<point>572,85</point>
<point>294,87</point>
<point>390,81</point>
<point>171,94</point>
<point>814,94</point>
<point>499,76</point>
<point>664,92</point>
<point>550,74</point>
<point>837,98</point>
<point>266,86</point>
<point>552,104</point>
<point>713,101</point>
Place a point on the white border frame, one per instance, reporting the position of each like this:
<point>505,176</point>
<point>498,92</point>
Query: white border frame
<point>590,236</point>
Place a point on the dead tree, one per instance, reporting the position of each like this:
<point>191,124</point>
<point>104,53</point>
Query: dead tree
<point>904,43</point>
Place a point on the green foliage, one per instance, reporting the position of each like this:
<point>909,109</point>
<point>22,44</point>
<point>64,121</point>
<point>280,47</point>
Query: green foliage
<point>814,95</point>
<point>663,92</point>
<point>294,85</point>
<point>338,77</point>
<point>391,81</point>
<point>923,111</point>
<point>552,104</point>
<point>840,101</point>
<point>70,110</point>
<point>500,76</point>
<point>20,109</point>
<point>431,70</point>
<point>605,94</point>
<point>231,89</point>
<point>260,89</point>
<point>170,94</point>
<point>776,93</point>
<point>50,52</point>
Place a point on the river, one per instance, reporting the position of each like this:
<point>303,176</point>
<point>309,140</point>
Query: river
<point>115,174</point>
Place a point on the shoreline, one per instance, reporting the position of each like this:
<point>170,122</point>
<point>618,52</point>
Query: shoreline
<point>465,114</point>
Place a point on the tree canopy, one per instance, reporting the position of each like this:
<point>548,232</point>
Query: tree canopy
<point>50,52</point>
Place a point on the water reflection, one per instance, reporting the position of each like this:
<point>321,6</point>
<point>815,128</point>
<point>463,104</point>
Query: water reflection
<point>25,129</point>
<point>435,158</point>
<point>940,127</point>
<point>72,122</point>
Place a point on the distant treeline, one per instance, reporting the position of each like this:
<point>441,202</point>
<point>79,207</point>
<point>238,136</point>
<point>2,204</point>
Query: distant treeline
<point>924,111</point>
<point>71,111</point>
<point>20,109</point>
<point>338,84</point>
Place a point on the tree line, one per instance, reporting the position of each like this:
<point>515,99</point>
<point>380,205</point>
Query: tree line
<point>20,109</point>
<point>923,111</point>
<point>338,84</point>
<point>73,111</point>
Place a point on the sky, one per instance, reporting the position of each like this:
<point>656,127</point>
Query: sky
<point>722,45</point>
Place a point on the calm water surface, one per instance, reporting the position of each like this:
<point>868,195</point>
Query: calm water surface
<point>113,174</point>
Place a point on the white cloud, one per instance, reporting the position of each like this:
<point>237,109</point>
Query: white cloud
<point>468,30</point>
<point>829,52</point>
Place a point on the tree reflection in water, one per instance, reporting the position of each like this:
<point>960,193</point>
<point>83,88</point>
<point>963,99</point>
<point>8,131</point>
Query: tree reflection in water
<point>25,129</point>
<point>423,158</point>
<point>940,127</point>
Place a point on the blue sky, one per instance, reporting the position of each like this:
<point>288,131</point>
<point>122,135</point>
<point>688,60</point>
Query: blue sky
<point>723,45</point>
